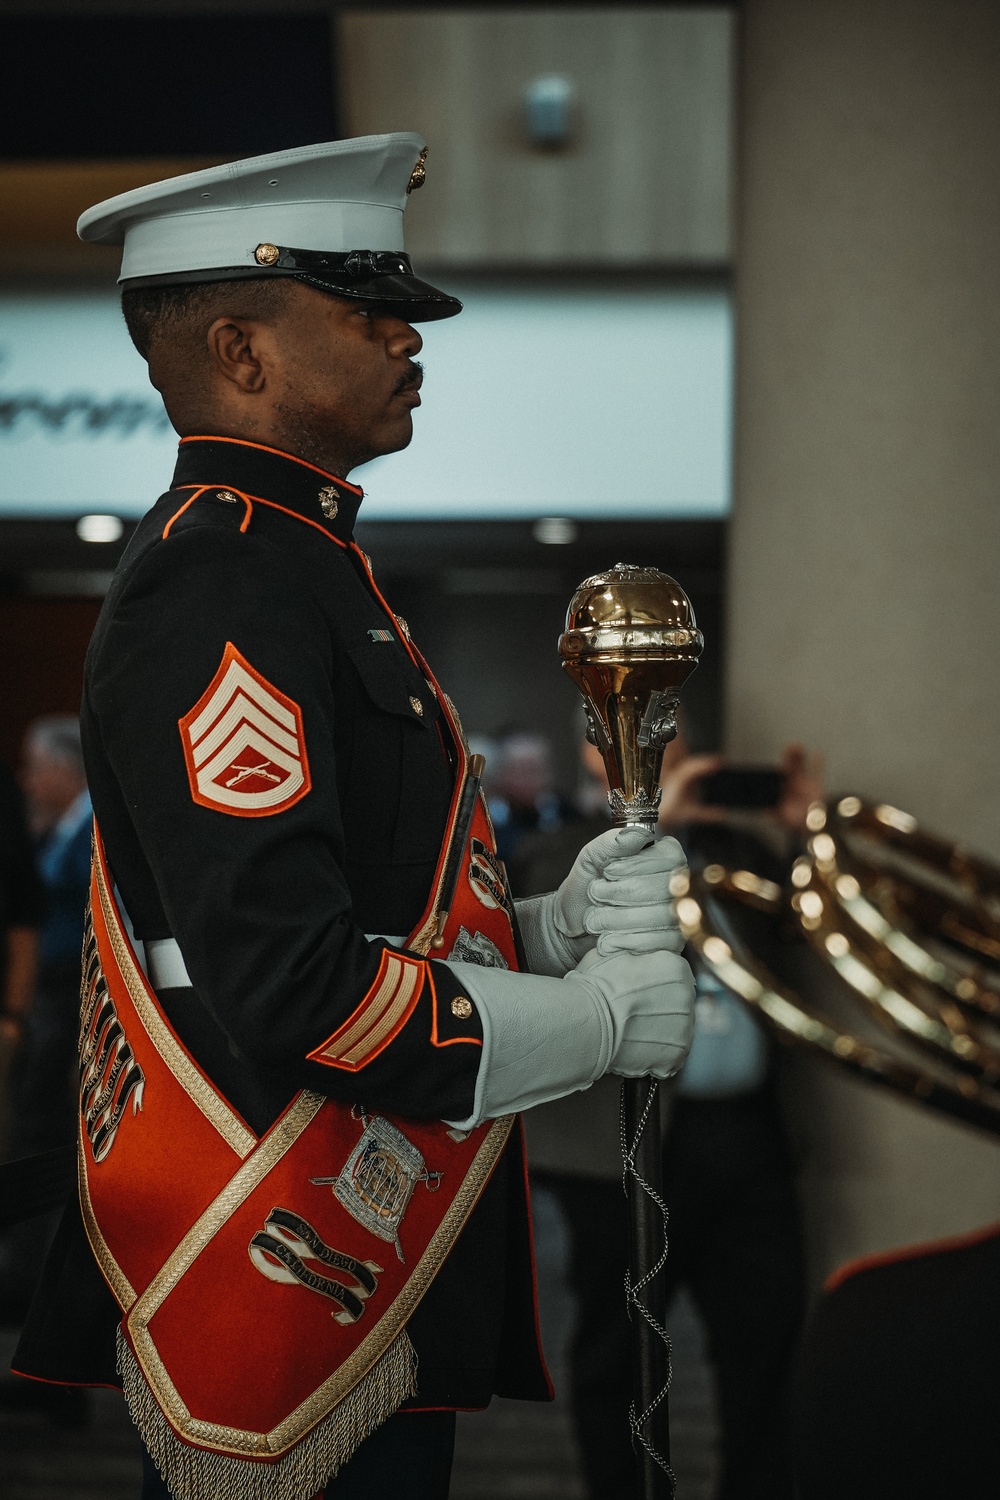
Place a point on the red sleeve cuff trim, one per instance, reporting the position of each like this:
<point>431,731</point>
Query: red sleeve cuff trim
<point>379,1018</point>
<point>437,1040</point>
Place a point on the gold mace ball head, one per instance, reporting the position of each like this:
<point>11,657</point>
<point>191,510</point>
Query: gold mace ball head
<point>627,613</point>
<point>630,643</point>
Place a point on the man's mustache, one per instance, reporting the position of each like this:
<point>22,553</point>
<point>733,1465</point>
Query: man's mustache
<point>412,380</point>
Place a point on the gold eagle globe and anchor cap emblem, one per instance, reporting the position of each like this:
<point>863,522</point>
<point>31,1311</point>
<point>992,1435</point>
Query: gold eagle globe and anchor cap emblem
<point>419,174</point>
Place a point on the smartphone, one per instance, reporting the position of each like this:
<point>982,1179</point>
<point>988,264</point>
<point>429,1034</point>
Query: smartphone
<point>742,786</point>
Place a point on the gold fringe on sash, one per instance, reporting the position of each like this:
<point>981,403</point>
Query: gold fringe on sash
<point>200,1474</point>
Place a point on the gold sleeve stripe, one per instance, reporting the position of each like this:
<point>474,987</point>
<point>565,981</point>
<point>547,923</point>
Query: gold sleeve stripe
<point>383,1012</point>
<point>392,973</point>
<point>403,1000</point>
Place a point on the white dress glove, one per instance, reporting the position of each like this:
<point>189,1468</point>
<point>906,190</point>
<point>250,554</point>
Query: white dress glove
<point>616,896</point>
<point>628,1013</point>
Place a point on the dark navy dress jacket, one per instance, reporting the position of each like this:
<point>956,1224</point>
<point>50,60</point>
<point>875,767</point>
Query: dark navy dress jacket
<point>278,895</point>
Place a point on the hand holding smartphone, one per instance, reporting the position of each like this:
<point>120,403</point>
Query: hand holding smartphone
<point>752,788</point>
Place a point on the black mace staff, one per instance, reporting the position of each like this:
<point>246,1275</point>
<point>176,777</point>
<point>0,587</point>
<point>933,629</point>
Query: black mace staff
<point>630,643</point>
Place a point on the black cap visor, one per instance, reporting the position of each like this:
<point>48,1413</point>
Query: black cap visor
<point>407,297</point>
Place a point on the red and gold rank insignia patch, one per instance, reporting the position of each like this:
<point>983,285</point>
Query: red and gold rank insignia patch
<point>243,743</point>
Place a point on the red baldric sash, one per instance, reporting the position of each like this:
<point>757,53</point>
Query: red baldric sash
<point>267,1282</point>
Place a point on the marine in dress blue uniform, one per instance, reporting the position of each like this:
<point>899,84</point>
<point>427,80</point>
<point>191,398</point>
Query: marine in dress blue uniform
<point>271,776</point>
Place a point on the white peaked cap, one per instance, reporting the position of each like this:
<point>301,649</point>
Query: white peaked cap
<point>330,214</point>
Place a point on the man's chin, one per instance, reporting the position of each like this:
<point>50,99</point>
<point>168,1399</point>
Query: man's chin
<point>395,436</point>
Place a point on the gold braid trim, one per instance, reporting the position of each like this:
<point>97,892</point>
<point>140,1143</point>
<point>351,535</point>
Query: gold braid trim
<point>200,1474</point>
<point>300,1455</point>
<point>121,1287</point>
<point>195,1084</point>
<point>324,1403</point>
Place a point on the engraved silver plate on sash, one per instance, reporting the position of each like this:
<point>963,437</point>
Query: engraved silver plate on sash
<point>110,1076</point>
<point>477,948</point>
<point>378,1179</point>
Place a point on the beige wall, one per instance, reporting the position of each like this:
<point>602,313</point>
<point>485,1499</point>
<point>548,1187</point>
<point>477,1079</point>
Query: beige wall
<point>865,612</point>
<point>645,180</point>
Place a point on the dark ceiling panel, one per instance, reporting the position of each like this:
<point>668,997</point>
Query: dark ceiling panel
<point>117,86</point>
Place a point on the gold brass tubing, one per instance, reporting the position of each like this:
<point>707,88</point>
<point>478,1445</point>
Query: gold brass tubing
<point>961,1096</point>
<point>859,945</point>
<point>960,928</point>
<point>896,950</point>
<point>958,987</point>
<point>977,878</point>
<point>745,886</point>
<point>907,912</point>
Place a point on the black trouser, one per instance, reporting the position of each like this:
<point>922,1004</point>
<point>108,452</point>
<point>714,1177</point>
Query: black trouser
<point>735,1242</point>
<point>44,1076</point>
<point>407,1458</point>
<point>42,1116</point>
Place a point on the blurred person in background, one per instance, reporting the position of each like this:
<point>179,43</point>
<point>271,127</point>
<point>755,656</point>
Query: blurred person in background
<point>523,798</point>
<point>22,907</point>
<point>42,1106</point>
<point>734,1235</point>
<point>59,813</point>
<point>40,889</point>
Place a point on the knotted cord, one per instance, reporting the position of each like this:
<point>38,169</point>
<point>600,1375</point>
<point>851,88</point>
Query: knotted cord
<point>635,1304</point>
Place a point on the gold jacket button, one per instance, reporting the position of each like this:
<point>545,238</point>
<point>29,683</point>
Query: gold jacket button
<point>461,1008</point>
<point>417,706</point>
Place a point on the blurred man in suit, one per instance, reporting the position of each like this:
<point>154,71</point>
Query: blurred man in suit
<point>59,812</point>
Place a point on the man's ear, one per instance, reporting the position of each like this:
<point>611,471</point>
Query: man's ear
<point>234,347</point>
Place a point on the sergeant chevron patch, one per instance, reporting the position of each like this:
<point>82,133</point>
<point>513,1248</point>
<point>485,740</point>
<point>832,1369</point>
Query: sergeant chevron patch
<point>243,743</point>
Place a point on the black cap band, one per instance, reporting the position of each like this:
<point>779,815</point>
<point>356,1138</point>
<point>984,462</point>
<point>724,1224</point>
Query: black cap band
<point>356,265</point>
<point>382,276</point>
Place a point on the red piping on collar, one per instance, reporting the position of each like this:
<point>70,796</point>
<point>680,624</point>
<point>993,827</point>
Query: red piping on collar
<point>263,448</point>
<point>346,546</point>
<point>259,500</point>
<point>178,513</point>
<point>199,490</point>
<point>250,501</point>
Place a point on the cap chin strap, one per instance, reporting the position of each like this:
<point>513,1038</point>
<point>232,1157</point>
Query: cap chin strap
<point>356,265</point>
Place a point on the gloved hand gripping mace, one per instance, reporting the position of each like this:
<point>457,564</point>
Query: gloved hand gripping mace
<point>630,643</point>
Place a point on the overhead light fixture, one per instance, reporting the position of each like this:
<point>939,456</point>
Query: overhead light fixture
<point>548,110</point>
<point>555,531</point>
<point>100,528</point>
